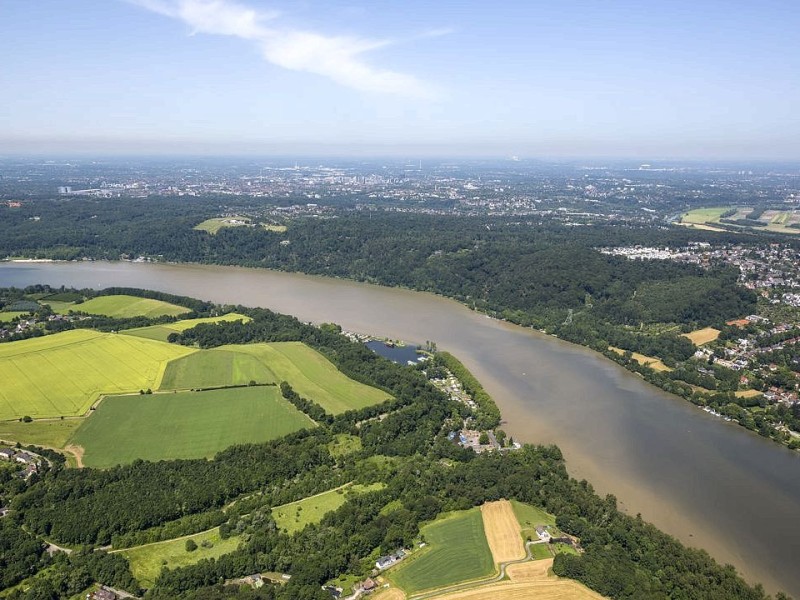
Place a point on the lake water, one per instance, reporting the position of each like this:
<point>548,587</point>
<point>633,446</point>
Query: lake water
<point>400,354</point>
<point>711,484</point>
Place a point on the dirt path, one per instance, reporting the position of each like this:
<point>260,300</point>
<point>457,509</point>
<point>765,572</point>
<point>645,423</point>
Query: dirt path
<point>77,452</point>
<point>502,531</point>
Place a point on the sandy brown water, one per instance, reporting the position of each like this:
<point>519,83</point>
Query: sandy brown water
<point>711,484</point>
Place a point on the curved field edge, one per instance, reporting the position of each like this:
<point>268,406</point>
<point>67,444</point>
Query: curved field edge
<point>308,372</point>
<point>147,561</point>
<point>123,306</point>
<point>184,424</point>
<point>65,373</point>
<point>456,551</point>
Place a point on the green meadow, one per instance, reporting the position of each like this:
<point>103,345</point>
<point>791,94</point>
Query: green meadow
<point>313,376</point>
<point>54,433</point>
<point>148,560</point>
<point>212,226</point>
<point>704,215</point>
<point>162,332</point>
<point>64,374</point>
<point>184,424</point>
<point>6,316</point>
<point>529,517</point>
<point>294,516</point>
<point>215,368</point>
<point>456,551</point>
<point>123,306</point>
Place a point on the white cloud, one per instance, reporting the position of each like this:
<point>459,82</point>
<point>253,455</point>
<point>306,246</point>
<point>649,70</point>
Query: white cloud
<point>339,58</point>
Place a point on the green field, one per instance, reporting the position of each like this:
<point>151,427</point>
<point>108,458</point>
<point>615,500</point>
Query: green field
<point>313,376</point>
<point>215,368</point>
<point>52,433</point>
<point>162,332</point>
<point>777,221</point>
<point>212,226</point>
<point>309,373</point>
<point>704,215</point>
<point>529,517</point>
<point>65,373</point>
<point>147,561</point>
<point>129,306</point>
<point>295,516</point>
<point>184,424</point>
<point>456,551</point>
<point>6,316</point>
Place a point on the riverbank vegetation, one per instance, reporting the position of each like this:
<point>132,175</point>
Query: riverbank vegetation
<point>536,273</point>
<point>410,474</point>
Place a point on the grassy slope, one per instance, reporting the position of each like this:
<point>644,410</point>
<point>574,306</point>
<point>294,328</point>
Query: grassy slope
<point>313,376</point>
<point>214,368</point>
<point>457,551</point>
<point>129,306</point>
<point>146,561</point>
<point>295,516</point>
<point>6,316</point>
<point>54,433</point>
<point>162,332</point>
<point>184,425</point>
<point>529,517</point>
<point>64,373</point>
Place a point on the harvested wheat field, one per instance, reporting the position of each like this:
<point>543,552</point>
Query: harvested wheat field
<point>702,336</point>
<point>529,581</point>
<point>389,594</point>
<point>531,571</point>
<point>502,531</point>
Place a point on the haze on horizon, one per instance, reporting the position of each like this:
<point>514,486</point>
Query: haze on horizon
<point>707,79</point>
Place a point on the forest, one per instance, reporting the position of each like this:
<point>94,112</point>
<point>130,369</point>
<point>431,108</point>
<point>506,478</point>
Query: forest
<point>407,449</point>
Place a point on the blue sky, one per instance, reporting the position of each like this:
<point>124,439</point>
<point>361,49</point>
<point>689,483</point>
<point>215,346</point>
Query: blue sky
<point>700,79</point>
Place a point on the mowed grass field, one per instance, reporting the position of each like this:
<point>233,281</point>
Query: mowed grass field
<point>313,376</point>
<point>52,433</point>
<point>457,551</point>
<point>184,424</point>
<point>129,306</point>
<point>64,373</point>
<point>309,373</point>
<point>215,368</point>
<point>146,561</point>
<point>6,316</point>
<point>704,215</point>
<point>294,516</point>
<point>162,332</point>
<point>529,517</point>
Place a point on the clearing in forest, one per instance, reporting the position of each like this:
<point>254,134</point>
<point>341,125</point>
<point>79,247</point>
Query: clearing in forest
<point>702,336</point>
<point>502,531</point>
<point>212,226</point>
<point>162,332</point>
<point>184,425</point>
<point>648,361</point>
<point>456,551</point>
<point>295,516</point>
<point>146,561</point>
<point>63,374</point>
<point>122,306</point>
<point>313,376</point>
